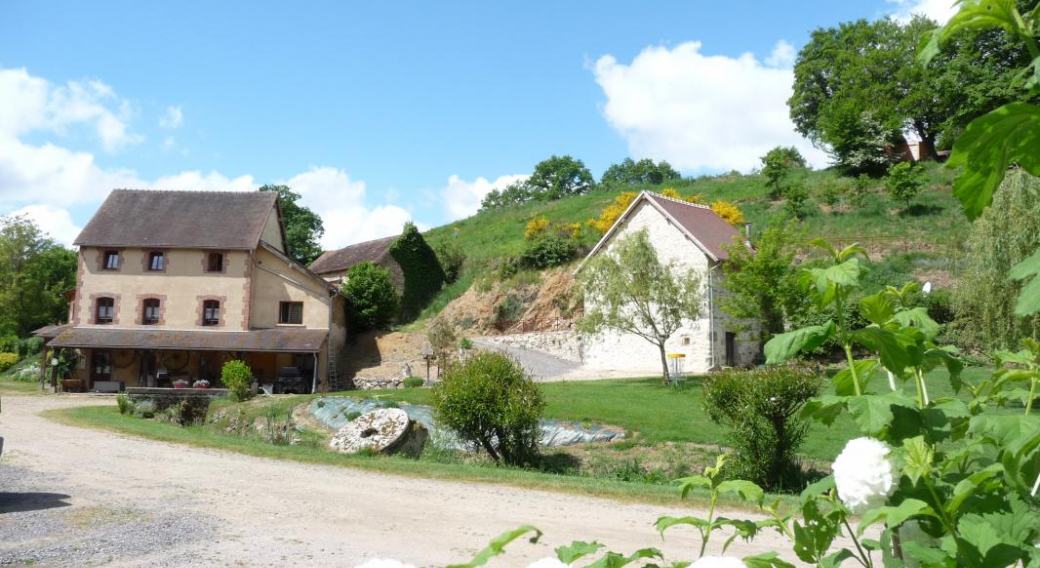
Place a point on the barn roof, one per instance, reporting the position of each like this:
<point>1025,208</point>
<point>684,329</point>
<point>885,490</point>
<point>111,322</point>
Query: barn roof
<point>338,260</point>
<point>179,219</point>
<point>711,233</point>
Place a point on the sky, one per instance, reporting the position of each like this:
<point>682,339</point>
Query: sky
<point>379,113</point>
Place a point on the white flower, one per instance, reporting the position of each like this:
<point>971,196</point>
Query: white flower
<point>384,563</point>
<point>548,563</point>
<point>863,474</point>
<point>718,562</point>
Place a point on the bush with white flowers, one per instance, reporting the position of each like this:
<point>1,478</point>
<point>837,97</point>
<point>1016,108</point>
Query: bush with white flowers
<point>863,474</point>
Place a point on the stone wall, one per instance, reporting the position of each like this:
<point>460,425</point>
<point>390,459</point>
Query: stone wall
<point>565,344</point>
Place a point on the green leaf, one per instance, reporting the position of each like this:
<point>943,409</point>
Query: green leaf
<point>918,458</point>
<point>824,409</point>
<point>988,146</point>
<point>786,345</point>
<point>843,379</point>
<point>766,560</point>
<point>665,523</point>
<point>1029,297</point>
<point>575,550</point>
<point>918,318</point>
<point>878,308</point>
<point>873,413</point>
<point>895,516</point>
<point>893,348</point>
<point>693,482</point>
<point>747,490</point>
<point>971,14</point>
<point>498,544</point>
<point>615,560</point>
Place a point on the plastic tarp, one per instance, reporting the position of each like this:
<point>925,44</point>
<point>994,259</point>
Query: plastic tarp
<point>333,412</point>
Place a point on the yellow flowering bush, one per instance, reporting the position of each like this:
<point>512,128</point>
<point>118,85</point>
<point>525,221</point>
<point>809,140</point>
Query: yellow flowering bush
<point>611,212</point>
<point>728,211</point>
<point>535,227</point>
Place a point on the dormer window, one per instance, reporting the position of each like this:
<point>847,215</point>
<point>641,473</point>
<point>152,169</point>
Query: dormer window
<point>211,312</point>
<point>105,310</point>
<point>215,262</point>
<point>150,311</point>
<point>111,260</point>
<point>156,261</point>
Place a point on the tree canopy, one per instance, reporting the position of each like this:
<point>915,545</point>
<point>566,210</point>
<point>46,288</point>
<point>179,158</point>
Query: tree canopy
<point>552,179</point>
<point>303,227</point>
<point>34,271</point>
<point>644,171</point>
<point>372,298</point>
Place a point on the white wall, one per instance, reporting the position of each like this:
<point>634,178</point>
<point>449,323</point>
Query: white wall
<point>626,352</point>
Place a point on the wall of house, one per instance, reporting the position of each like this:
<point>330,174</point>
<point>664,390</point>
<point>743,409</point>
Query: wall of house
<point>631,353</point>
<point>181,287</point>
<point>272,233</point>
<point>274,281</point>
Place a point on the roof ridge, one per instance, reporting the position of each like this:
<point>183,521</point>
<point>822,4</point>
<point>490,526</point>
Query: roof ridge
<point>197,191</point>
<point>680,201</point>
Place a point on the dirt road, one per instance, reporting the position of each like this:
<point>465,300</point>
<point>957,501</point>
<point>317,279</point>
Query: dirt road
<point>73,497</point>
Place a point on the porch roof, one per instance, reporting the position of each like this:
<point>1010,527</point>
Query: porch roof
<point>283,340</point>
<point>50,331</point>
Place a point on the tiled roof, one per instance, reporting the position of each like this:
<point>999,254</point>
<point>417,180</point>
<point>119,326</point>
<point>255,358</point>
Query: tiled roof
<point>342,259</point>
<point>710,230</point>
<point>283,340</point>
<point>179,219</point>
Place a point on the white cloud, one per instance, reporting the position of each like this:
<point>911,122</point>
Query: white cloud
<point>701,112</point>
<point>938,10</point>
<point>340,201</point>
<point>54,221</point>
<point>198,181</point>
<point>783,55</point>
<point>173,118</point>
<point>462,198</point>
<point>32,103</point>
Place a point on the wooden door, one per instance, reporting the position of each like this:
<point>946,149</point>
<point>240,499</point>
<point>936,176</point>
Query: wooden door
<point>100,366</point>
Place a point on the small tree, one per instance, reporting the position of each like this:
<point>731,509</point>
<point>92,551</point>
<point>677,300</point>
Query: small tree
<point>371,295</point>
<point>777,164</point>
<point>442,338</point>
<point>904,182</point>
<point>236,377</point>
<point>490,401</point>
<point>763,283</point>
<point>760,408</point>
<point>629,290</point>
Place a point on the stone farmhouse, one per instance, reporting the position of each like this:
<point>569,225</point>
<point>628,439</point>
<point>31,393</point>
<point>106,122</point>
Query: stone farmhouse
<point>692,236</point>
<point>172,284</point>
<point>333,265</point>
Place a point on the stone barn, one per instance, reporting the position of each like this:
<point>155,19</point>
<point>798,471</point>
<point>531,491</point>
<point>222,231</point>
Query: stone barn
<point>693,236</point>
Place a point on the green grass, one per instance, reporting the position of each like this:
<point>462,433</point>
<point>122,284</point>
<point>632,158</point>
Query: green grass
<point>18,387</point>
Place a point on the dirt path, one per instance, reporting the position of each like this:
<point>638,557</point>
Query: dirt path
<point>135,502</point>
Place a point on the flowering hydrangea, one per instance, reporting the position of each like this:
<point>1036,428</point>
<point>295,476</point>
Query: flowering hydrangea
<point>718,562</point>
<point>548,563</point>
<point>863,474</point>
<point>385,563</point>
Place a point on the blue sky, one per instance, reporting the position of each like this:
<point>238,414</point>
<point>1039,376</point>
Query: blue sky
<point>383,111</point>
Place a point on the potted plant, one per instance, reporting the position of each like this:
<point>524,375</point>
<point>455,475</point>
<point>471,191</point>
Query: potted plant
<point>200,384</point>
<point>180,384</point>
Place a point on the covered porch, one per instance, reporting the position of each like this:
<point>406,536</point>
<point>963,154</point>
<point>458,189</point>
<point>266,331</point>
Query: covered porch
<point>282,360</point>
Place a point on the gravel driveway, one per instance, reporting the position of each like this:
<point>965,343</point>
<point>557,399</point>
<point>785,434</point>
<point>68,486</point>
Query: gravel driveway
<point>82,497</point>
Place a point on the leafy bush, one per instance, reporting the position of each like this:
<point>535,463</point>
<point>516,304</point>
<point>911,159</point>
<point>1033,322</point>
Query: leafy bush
<point>452,258</point>
<point>795,197</point>
<point>423,274</point>
<point>489,401</point>
<point>465,343</point>
<point>548,251</point>
<point>509,310</point>
<point>350,416</point>
<point>904,182</point>
<point>372,298</point>
<point>413,382</point>
<point>442,338</point>
<point>126,406</point>
<point>8,360</point>
<point>729,212</point>
<point>760,409</point>
<point>777,164</point>
<point>236,377</point>
<point>610,213</point>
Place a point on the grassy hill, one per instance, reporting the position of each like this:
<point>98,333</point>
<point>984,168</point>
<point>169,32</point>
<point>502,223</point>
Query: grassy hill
<point>932,228</point>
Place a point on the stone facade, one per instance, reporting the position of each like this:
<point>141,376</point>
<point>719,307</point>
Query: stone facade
<point>563,344</point>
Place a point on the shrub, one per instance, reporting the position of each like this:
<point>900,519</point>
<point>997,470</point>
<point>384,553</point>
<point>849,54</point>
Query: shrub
<point>729,212</point>
<point>795,197</point>
<point>442,338</point>
<point>126,406</point>
<point>861,187</point>
<point>489,401</point>
<point>509,310</point>
<point>350,416</point>
<point>237,376</point>
<point>759,407</point>
<point>548,251</point>
<point>423,274</point>
<point>372,298</point>
<point>904,182</point>
<point>535,228</point>
<point>452,258</point>
<point>610,213</point>
<point>7,360</point>
<point>413,382</point>
<point>189,411</point>
<point>465,343</point>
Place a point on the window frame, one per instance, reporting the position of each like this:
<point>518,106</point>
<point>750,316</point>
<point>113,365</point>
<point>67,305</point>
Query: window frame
<point>206,307</point>
<point>151,258</point>
<point>145,319</point>
<point>115,254</point>
<point>283,305</point>
<point>208,262</point>
<point>110,305</point>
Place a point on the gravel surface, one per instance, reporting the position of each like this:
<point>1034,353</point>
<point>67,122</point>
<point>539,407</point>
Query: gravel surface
<point>542,366</point>
<point>104,499</point>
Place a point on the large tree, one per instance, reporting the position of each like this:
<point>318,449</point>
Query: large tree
<point>644,171</point>
<point>560,176</point>
<point>303,227</point>
<point>34,271</point>
<point>858,91</point>
<point>629,290</point>
<point>372,298</point>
